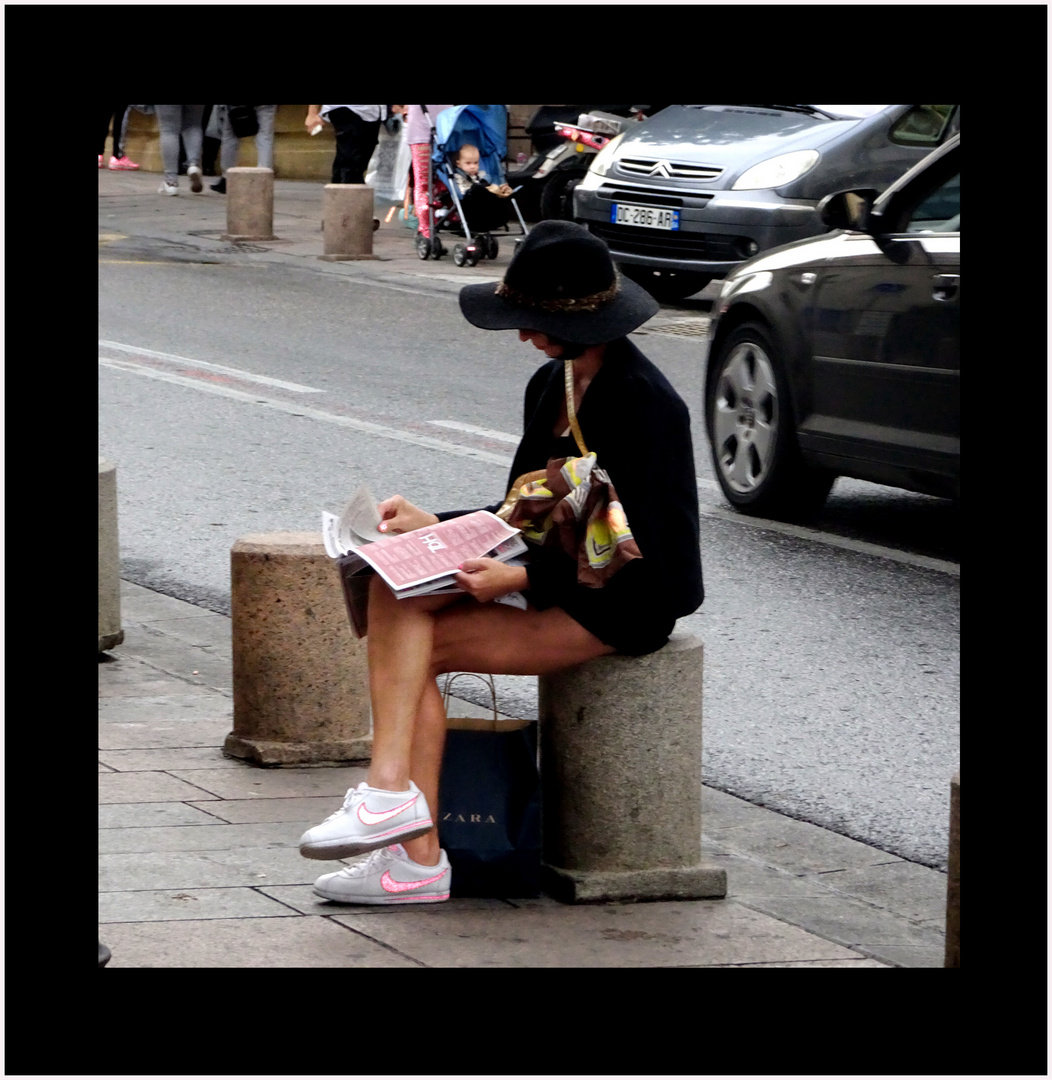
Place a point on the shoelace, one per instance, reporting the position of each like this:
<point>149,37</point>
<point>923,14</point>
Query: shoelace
<point>368,864</point>
<point>348,801</point>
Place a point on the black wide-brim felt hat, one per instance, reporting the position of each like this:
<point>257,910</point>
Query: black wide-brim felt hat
<point>563,283</point>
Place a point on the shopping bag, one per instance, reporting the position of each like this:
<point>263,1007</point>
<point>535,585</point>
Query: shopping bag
<point>489,805</point>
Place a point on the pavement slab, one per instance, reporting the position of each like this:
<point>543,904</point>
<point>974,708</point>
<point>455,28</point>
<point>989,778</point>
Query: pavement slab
<point>543,933</point>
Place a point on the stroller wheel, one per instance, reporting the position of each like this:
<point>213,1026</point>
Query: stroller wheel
<point>460,255</point>
<point>492,248</point>
<point>437,250</point>
<point>423,247</point>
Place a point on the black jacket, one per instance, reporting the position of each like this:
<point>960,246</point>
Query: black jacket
<point>639,428</point>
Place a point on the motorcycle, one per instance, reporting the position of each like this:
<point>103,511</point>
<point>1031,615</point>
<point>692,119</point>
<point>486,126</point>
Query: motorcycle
<point>566,138</point>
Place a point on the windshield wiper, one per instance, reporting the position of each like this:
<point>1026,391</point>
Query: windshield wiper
<point>804,109</point>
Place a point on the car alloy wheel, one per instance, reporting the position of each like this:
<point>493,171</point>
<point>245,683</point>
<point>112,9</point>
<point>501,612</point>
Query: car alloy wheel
<point>754,450</point>
<point>745,418</point>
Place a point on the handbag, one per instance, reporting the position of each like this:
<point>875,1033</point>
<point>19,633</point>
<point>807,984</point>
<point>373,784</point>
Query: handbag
<point>243,120</point>
<point>489,803</point>
<point>572,503</point>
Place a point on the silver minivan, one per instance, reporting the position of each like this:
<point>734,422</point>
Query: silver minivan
<point>685,196</point>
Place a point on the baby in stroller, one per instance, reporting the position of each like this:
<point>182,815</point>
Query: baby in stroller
<point>468,193</point>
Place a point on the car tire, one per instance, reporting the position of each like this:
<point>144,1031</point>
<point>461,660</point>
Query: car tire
<point>557,194</point>
<point>749,419</point>
<point>667,286</point>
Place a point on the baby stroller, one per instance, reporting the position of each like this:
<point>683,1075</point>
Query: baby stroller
<point>479,212</point>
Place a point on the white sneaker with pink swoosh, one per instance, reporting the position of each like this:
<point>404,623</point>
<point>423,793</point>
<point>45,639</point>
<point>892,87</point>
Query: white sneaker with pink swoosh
<point>387,876</point>
<point>369,818</point>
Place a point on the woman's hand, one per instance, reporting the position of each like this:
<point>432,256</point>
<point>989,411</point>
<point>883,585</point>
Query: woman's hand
<point>313,118</point>
<point>486,579</point>
<point>399,515</point>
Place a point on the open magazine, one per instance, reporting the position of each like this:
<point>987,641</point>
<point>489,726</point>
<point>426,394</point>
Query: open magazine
<point>419,563</point>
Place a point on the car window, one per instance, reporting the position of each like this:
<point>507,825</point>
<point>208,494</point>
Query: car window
<point>923,125</point>
<point>940,211</point>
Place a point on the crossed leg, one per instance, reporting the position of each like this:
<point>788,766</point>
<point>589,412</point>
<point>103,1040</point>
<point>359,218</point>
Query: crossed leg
<point>412,642</point>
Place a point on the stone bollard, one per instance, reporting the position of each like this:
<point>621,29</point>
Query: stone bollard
<point>249,204</point>
<point>347,222</point>
<point>110,632</point>
<point>301,680</point>
<point>621,778</point>
<point>953,878</point>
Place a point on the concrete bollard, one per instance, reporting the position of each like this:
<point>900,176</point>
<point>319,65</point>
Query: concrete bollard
<point>953,878</point>
<point>249,204</point>
<point>621,778</point>
<point>347,222</point>
<point>110,632</point>
<point>300,677</point>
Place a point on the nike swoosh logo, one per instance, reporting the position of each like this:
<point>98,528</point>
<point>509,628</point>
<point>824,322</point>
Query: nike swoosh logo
<point>370,818</point>
<point>390,885</point>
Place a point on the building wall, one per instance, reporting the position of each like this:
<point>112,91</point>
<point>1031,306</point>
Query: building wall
<point>297,155</point>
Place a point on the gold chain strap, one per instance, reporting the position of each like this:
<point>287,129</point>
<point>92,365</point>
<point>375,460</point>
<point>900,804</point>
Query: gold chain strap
<point>570,411</point>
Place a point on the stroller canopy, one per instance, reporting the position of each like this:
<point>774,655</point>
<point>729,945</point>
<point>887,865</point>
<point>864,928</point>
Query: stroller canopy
<point>484,126</point>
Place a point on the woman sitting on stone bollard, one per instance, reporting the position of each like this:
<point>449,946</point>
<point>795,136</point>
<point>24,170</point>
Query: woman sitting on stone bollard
<point>623,594</point>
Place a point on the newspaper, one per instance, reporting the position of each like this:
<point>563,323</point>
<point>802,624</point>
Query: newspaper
<point>419,563</point>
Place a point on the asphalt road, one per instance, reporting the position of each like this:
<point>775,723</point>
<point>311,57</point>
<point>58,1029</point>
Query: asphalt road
<point>248,398</point>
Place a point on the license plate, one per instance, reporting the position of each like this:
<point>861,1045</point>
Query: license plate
<point>647,217</point>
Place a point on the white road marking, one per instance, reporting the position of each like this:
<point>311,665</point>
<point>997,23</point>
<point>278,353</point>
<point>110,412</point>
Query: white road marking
<point>413,439</point>
<point>237,373</point>
<point>296,409</point>
<point>487,433</point>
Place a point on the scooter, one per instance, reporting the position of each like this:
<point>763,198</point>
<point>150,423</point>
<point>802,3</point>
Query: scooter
<point>567,138</point>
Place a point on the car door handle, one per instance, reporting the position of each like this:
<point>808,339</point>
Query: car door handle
<point>945,286</point>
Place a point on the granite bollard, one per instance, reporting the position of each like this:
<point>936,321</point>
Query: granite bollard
<point>300,677</point>
<point>347,222</point>
<point>249,204</point>
<point>110,632</point>
<point>621,778</point>
<point>953,878</point>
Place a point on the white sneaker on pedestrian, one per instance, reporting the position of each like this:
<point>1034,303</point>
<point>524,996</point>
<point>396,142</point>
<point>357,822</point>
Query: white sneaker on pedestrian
<point>194,173</point>
<point>369,818</point>
<point>168,189</point>
<point>388,876</point>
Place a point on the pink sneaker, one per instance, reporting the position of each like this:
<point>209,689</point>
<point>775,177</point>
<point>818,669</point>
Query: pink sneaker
<point>100,161</point>
<point>120,163</point>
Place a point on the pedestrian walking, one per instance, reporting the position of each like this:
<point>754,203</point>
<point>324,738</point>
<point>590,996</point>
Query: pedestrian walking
<point>565,297</point>
<point>117,116</point>
<point>185,122</point>
<point>230,148</point>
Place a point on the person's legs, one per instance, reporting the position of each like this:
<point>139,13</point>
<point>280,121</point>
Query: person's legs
<point>411,643</point>
<point>191,119</point>
<point>169,121</point>
<point>421,195</point>
<point>105,116</point>
<point>265,138</point>
<point>356,140</point>
<point>229,148</point>
<point>120,113</point>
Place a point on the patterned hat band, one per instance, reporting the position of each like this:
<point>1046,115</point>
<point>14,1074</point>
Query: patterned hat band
<point>581,303</point>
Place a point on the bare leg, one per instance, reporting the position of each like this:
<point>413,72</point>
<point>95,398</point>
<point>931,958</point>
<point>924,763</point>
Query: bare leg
<point>412,642</point>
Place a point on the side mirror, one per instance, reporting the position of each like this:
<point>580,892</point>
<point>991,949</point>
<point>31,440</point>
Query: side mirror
<point>847,209</point>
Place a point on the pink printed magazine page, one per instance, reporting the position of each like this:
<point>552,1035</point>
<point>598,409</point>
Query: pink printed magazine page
<point>435,551</point>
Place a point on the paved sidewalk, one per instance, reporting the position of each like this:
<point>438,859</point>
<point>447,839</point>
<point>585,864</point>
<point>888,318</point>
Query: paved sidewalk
<point>138,224</point>
<point>199,866</point>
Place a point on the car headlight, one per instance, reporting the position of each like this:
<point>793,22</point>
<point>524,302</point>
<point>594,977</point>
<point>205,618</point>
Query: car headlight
<point>605,158</point>
<point>776,171</point>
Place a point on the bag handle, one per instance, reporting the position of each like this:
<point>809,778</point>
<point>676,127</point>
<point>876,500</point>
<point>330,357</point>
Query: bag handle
<point>451,678</point>
<point>570,412</point>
